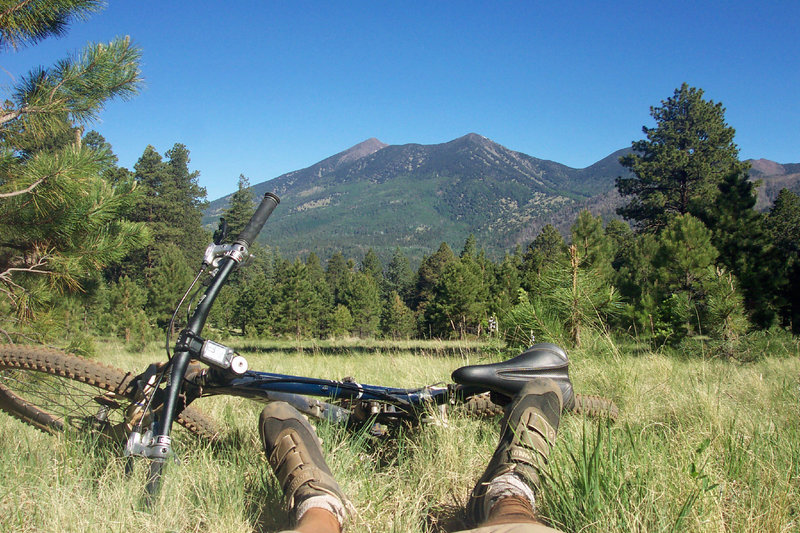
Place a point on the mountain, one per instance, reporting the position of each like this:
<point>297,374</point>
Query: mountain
<point>415,196</point>
<point>773,177</point>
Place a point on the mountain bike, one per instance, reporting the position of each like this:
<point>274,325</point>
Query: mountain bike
<point>55,391</point>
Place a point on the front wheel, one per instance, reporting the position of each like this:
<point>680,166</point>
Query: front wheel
<point>54,391</point>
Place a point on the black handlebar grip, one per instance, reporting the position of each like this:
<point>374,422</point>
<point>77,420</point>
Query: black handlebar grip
<point>259,218</point>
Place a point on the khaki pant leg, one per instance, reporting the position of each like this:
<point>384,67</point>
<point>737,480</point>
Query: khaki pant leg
<point>513,528</point>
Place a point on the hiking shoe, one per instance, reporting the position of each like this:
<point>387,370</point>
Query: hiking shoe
<point>293,451</point>
<point>528,433</point>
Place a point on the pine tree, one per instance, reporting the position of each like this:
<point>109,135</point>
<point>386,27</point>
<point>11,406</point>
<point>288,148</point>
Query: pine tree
<point>459,302</point>
<point>593,246</point>
<point>320,286</point>
<point>338,276</point>
<point>341,321</point>
<point>684,262</point>
<point>506,284</point>
<point>399,276</point>
<point>188,199</point>
<point>783,225</point>
<point>363,299</point>
<point>546,250</point>
<point>470,247</point>
<point>397,321</point>
<point>297,306</point>
<point>372,265</point>
<point>574,293</point>
<point>170,278</point>
<point>678,168</point>
<point>745,248</point>
<point>428,275</point>
<point>59,219</point>
<point>126,300</point>
<point>171,205</point>
<point>241,208</point>
<point>637,281</point>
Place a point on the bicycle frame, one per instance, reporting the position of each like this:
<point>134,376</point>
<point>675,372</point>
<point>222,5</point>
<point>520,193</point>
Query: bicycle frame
<point>296,390</point>
<point>221,378</point>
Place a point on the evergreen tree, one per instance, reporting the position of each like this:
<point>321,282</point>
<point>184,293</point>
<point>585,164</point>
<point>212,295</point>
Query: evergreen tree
<point>577,294</point>
<point>684,262</point>
<point>241,208</point>
<point>363,299</point>
<point>637,281</point>
<point>399,276</point>
<point>745,249</point>
<point>126,300</point>
<point>59,220</point>
<point>253,304</point>
<point>341,321</point>
<point>172,203</point>
<point>678,168</point>
<point>170,278</point>
<point>470,247</point>
<point>726,320</point>
<point>397,321</point>
<point>188,200</point>
<point>255,290</point>
<point>297,306</point>
<point>504,290</point>
<point>338,276</point>
<point>372,265</point>
<point>783,225</point>
<point>546,250</point>
<point>320,286</point>
<point>459,303</point>
<point>593,246</point>
<point>428,275</point>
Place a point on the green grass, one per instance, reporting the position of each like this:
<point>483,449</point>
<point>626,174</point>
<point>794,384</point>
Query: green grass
<point>701,445</point>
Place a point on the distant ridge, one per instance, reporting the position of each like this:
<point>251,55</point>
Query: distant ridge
<point>773,177</point>
<point>415,196</point>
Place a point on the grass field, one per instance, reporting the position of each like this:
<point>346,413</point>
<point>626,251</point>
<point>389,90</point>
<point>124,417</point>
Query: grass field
<point>701,445</point>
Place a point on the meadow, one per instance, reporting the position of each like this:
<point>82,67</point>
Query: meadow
<point>701,444</point>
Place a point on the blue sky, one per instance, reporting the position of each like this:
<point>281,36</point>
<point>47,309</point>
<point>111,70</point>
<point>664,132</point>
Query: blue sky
<point>263,88</point>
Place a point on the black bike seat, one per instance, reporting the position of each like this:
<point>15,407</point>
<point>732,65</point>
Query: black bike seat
<point>542,360</point>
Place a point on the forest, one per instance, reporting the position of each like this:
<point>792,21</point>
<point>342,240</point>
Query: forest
<point>89,248</point>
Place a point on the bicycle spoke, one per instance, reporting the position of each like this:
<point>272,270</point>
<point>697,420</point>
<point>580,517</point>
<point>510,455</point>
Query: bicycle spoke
<point>70,400</point>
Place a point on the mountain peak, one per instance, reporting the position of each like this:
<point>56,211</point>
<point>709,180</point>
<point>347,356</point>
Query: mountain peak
<point>473,138</point>
<point>362,149</point>
<point>765,167</point>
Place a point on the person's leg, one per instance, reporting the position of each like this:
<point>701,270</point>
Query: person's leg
<point>503,500</point>
<point>293,451</point>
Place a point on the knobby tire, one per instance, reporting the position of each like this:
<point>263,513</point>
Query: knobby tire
<point>52,390</point>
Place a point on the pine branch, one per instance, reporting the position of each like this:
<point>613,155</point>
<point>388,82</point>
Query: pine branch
<point>77,88</point>
<point>30,21</point>
<point>26,190</point>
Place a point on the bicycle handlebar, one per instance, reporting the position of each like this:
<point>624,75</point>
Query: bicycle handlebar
<point>253,228</point>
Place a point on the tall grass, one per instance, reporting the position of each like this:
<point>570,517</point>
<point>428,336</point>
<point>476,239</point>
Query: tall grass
<point>702,444</point>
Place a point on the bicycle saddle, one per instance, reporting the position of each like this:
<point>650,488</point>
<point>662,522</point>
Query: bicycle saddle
<point>508,377</point>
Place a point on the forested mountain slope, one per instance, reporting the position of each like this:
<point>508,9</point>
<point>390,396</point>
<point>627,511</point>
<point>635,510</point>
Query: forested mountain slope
<point>415,196</point>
